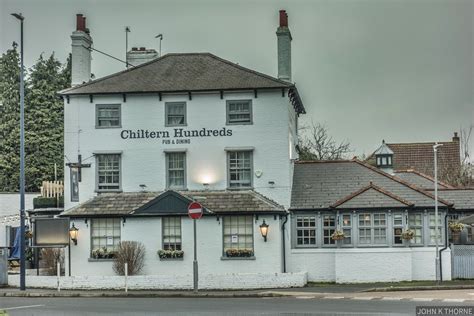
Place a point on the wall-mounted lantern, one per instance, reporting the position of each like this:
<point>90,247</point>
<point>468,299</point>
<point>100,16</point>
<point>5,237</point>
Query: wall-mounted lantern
<point>73,233</point>
<point>264,230</point>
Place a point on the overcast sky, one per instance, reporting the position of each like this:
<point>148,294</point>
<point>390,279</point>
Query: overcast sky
<point>399,70</point>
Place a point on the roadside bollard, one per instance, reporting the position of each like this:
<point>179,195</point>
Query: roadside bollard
<point>126,277</point>
<point>59,275</point>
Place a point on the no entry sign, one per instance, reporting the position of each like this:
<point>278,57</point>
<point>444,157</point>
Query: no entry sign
<point>195,210</point>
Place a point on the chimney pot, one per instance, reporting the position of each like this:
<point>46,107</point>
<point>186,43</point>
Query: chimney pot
<point>134,49</point>
<point>80,22</point>
<point>142,48</point>
<point>455,137</point>
<point>283,18</point>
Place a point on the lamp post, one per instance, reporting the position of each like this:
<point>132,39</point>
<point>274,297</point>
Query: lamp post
<point>22,158</point>
<point>435,152</point>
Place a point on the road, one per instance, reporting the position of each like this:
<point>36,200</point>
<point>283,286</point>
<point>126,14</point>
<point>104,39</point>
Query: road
<point>208,306</point>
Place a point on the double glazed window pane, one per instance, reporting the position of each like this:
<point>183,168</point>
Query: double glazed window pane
<point>240,169</point>
<point>373,228</point>
<point>176,170</point>
<point>105,233</point>
<point>238,232</point>
<point>108,169</point>
<point>172,233</point>
<point>239,112</point>
<point>175,114</point>
<point>329,226</point>
<point>415,223</point>
<point>305,230</point>
<point>108,115</point>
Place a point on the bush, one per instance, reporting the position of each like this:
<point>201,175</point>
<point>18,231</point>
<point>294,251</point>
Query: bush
<point>132,253</point>
<point>50,258</point>
<point>46,202</point>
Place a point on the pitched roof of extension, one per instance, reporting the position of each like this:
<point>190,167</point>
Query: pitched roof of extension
<point>420,180</point>
<point>185,72</point>
<point>328,184</point>
<point>218,202</point>
<point>463,198</point>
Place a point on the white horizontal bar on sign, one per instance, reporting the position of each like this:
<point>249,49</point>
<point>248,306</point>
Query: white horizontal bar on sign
<point>195,210</point>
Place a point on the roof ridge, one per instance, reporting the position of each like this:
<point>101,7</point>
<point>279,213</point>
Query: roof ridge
<point>411,186</point>
<point>365,189</point>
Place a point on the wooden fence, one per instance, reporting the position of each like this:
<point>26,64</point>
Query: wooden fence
<point>52,189</point>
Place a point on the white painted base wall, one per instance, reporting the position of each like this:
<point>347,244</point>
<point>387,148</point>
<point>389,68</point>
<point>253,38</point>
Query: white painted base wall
<point>228,281</point>
<point>368,265</point>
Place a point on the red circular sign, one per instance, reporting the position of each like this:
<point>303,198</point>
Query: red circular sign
<point>195,210</point>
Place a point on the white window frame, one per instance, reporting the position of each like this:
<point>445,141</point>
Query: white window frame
<point>371,227</point>
<point>107,227</point>
<point>431,228</point>
<point>414,226</point>
<point>167,113</point>
<point>231,226</point>
<point>168,170</point>
<point>229,171</point>
<point>248,112</point>
<point>398,226</point>
<point>328,229</point>
<point>347,229</point>
<point>114,107</point>
<point>171,233</point>
<point>98,171</point>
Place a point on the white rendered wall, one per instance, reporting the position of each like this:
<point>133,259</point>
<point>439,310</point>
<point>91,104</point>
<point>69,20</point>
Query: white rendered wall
<point>357,265</point>
<point>268,255</point>
<point>143,160</point>
<point>9,207</point>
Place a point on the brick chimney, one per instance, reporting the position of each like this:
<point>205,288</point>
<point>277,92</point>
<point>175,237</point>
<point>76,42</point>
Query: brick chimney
<point>81,55</point>
<point>284,48</point>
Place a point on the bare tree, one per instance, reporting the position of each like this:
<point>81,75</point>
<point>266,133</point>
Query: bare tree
<point>132,253</point>
<point>317,144</point>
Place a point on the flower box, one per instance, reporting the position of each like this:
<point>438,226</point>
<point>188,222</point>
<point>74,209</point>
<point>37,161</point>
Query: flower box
<point>240,253</point>
<point>170,254</point>
<point>103,253</point>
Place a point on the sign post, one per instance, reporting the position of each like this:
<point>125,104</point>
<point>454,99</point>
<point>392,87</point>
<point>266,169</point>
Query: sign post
<point>195,212</point>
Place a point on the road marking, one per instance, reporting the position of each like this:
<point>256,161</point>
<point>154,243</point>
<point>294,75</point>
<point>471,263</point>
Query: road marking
<point>422,299</point>
<point>334,297</point>
<point>392,298</point>
<point>363,298</point>
<point>21,307</point>
<point>305,297</point>
<point>454,300</point>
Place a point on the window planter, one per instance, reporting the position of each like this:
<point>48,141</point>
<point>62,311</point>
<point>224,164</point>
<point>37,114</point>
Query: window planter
<point>239,253</point>
<point>102,253</point>
<point>171,254</point>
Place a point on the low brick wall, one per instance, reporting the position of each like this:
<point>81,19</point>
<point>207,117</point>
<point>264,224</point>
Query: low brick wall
<point>167,282</point>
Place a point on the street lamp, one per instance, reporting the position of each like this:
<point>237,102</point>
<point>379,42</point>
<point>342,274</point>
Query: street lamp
<point>73,233</point>
<point>435,152</point>
<point>22,157</point>
<point>264,230</point>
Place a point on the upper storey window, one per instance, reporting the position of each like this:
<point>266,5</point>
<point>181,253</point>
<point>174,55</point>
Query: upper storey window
<point>175,114</point>
<point>108,116</point>
<point>239,112</point>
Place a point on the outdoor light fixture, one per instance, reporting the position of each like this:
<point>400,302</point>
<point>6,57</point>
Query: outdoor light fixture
<point>264,230</point>
<point>73,233</point>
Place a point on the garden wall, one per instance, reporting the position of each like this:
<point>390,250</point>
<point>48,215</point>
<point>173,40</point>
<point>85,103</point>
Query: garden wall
<point>167,282</point>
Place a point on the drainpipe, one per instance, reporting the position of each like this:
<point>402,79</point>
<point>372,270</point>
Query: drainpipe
<point>445,246</point>
<point>283,243</point>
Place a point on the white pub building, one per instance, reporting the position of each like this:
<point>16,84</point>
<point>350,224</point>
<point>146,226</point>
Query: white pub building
<point>143,143</point>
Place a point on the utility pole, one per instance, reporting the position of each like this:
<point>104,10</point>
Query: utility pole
<point>435,151</point>
<point>22,158</point>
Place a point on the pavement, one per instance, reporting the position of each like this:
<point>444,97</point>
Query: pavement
<point>459,293</point>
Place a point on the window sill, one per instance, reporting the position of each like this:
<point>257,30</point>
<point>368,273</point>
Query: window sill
<point>109,191</point>
<point>108,127</point>
<point>239,188</point>
<point>100,260</point>
<point>239,123</point>
<point>171,259</point>
<point>238,258</point>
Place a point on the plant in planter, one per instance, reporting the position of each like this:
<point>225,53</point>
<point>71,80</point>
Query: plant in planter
<point>103,253</point>
<point>338,235</point>
<point>408,234</point>
<point>170,254</point>
<point>234,252</point>
<point>456,227</point>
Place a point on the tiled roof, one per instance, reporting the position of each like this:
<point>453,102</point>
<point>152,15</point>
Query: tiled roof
<point>463,199</point>
<point>371,196</point>
<point>181,72</point>
<point>121,204</point>
<point>319,185</point>
<point>420,180</point>
<point>420,157</point>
